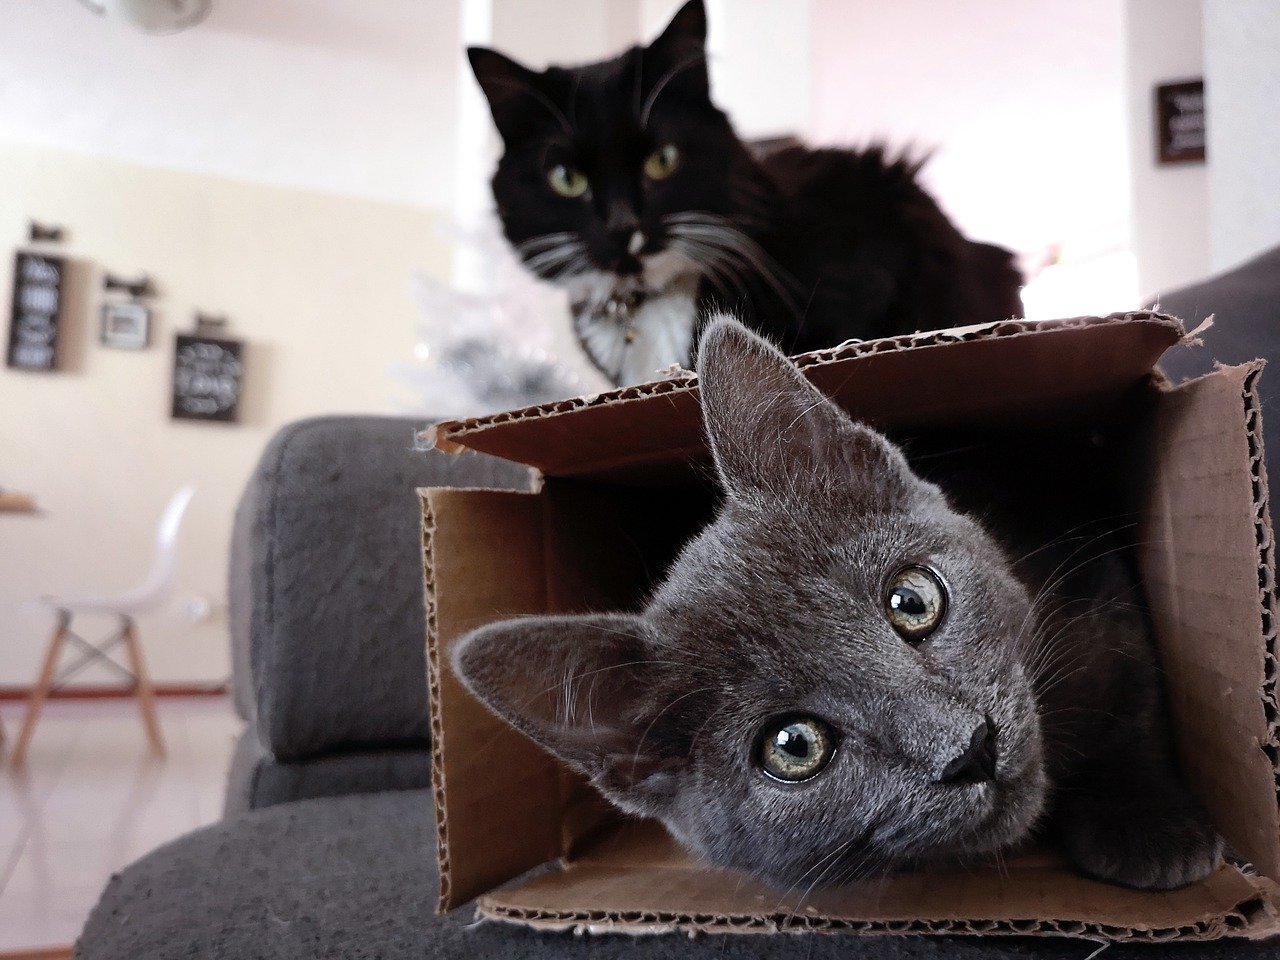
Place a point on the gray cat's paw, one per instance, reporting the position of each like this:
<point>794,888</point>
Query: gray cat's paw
<point>1140,846</point>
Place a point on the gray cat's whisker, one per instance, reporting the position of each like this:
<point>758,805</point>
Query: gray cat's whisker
<point>635,759</point>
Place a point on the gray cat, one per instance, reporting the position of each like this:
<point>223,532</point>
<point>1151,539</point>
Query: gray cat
<point>844,673</point>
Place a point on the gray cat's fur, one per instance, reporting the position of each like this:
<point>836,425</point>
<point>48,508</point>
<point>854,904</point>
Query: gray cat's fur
<point>776,608</point>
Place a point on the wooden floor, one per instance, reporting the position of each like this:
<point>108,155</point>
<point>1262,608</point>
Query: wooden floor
<point>91,799</point>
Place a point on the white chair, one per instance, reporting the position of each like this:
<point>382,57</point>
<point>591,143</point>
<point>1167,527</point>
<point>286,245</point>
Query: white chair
<point>153,592</point>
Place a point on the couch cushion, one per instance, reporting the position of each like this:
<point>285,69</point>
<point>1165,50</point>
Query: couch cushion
<point>256,779</point>
<point>354,877</point>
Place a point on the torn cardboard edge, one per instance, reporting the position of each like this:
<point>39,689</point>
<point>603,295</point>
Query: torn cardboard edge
<point>1251,914</point>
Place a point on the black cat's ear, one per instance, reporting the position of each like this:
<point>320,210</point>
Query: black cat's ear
<point>577,685</point>
<point>676,62</point>
<point>775,436</point>
<point>511,89</point>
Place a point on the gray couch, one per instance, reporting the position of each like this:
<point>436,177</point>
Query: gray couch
<point>327,845</point>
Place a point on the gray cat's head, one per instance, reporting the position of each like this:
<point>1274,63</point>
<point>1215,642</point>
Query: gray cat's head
<point>830,681</point>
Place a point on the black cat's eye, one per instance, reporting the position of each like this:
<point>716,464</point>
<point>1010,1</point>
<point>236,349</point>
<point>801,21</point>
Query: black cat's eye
<point>567,181</point>
<point>794,748</point>
<point>914,603</point>
<point>662,162</point>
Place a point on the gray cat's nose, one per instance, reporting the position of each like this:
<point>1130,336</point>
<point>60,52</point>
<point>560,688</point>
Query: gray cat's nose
<point>977,764</point>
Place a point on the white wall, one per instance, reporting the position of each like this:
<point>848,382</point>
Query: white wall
<point>1171,202</point>
<point>1020,103</point>
<point>319,286</point>
<point>338,96</point>
<point>1242,93</point>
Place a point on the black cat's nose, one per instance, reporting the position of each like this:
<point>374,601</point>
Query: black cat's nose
<point>626,239</point>
<point>621,220</point>
<point>977,764</point>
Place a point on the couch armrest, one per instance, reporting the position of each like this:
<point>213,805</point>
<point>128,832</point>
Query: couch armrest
<point>326,584</point>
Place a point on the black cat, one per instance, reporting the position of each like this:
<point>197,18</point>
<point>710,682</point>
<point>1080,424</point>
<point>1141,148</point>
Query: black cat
<point>623,182</point>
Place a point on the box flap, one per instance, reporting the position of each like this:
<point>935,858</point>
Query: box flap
<point>990,372</point>
<point>640,881</point>
<point>486,776</point>
<point>504,805</point>
<point>1208,566</point>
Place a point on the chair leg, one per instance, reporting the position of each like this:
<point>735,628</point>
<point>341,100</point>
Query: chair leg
<point>145,692</point>
<point>40,692</point>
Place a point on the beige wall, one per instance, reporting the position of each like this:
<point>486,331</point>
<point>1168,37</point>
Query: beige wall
<point>319,286</point>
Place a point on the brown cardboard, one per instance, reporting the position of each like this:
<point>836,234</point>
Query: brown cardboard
<point>1208,571</point>
<point>625,479</point>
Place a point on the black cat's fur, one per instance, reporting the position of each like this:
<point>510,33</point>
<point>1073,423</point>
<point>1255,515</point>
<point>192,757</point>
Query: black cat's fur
<point>1034,699</point>
<point>810,247</point>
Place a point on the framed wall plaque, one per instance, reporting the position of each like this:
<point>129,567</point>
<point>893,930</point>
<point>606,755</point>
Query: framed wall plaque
<point>1180,122</point>
<point>126,325</point>
<point>208,375</point>
<point>33,318</point>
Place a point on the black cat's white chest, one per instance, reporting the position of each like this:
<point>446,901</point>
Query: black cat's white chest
<point>632,342</point>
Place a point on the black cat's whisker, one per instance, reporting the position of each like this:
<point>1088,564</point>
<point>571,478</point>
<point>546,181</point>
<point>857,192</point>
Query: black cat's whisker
<point>715,266</point>
<point>713,270</point>
<point>662,82</point>
<point>539,97</point>
<point>549,259</point>
<point>711,261</point>
<point>734,243</point>
<point>545,240</point>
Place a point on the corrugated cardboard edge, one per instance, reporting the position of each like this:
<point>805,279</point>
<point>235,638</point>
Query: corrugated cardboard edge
<point>1266,561</point>
<point>449,436</point>
<point>1254,918</point>
<point>433,696</point>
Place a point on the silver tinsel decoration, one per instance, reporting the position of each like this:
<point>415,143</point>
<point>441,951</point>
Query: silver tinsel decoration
<point>497,348</point>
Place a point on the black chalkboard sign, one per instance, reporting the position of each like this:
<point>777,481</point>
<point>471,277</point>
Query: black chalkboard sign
<point>1180,130</point>
<point>208,373</point>
<point>33,319</point>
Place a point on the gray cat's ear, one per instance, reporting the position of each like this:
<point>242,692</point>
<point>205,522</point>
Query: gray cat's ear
<point>577,685</point>
<point>676,62</point>
<point>511,89</point>
<point>775,435</point>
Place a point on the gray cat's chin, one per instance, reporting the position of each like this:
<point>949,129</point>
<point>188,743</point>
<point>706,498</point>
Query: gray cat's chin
<point>1004,817</point>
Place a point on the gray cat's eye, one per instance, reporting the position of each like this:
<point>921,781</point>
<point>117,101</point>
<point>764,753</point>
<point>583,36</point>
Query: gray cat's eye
<point>794,748</point>
<point>915,602</point>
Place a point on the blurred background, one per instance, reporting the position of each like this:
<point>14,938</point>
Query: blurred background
<point>297,165</point>
<point>311,177</point>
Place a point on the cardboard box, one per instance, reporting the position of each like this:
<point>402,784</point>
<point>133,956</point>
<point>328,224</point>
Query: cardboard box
<point>626,481</point>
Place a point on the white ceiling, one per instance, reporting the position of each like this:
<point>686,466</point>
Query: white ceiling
<point>342,96</point>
